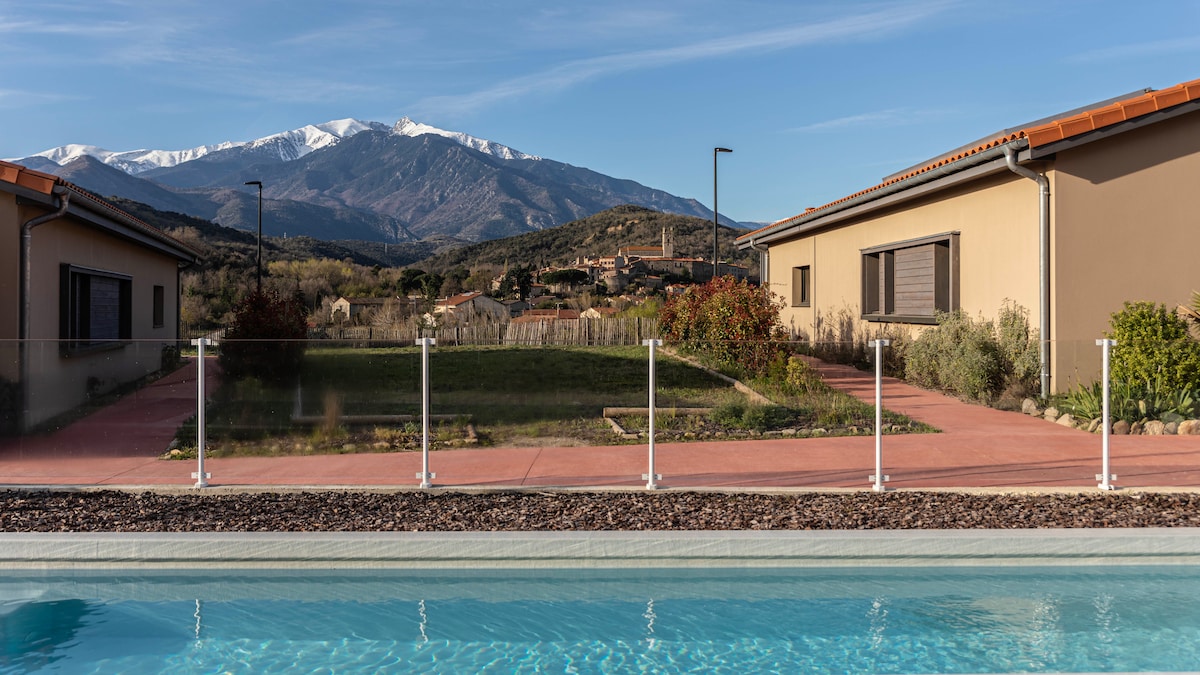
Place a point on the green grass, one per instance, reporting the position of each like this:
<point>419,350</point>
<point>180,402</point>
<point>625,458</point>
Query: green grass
<point>511,395</point>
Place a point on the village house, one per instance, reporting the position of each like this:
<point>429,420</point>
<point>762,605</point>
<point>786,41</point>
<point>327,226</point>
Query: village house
<point>89,297</point>
<point>469,306</point>
<point>1069,217</point>
<point>599,313</point>
<point>350,310</point>
<point>547,315</point>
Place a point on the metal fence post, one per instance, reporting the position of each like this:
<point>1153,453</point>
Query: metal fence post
<point>1105,478</point>
<point>425,476</point>
<point>651,477</point>
<point>879,478</point>
<point>200,475</point>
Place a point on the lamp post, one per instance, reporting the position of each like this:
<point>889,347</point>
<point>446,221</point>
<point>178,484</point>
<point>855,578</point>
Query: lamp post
<point>715,151</point>
<point>259,184</point>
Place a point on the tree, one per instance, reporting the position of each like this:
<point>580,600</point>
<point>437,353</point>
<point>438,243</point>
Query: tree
<point>733,322</point>
<point>517,283</point>
<point>266,338</point>
<point>569,276</point>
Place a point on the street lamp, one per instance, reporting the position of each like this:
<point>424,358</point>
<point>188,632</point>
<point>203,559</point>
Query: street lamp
<point>715,151</point>
<point>259,184</point>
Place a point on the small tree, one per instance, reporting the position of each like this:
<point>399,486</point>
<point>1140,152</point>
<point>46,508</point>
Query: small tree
<point>266,338</point>
<point>733,322</point>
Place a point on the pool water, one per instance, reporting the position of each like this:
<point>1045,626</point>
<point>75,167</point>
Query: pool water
<point>937,620</point>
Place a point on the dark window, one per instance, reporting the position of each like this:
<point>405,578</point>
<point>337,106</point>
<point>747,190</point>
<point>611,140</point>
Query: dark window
<point>801,286</point>
<point>159,303</point>
<point>95,308</point>
<point>910,281</point>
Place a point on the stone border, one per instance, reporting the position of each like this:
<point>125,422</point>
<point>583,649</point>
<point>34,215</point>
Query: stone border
<point>546,550</point>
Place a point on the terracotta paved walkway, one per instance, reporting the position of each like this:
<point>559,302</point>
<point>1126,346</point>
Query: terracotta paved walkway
<point>979,447</point>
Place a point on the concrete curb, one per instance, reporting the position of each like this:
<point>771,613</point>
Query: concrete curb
<point>378,550</point>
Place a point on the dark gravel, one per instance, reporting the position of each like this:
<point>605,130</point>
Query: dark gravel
<point>111,511</point>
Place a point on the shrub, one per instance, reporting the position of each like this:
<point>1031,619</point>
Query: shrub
<point>975,358</point>
<point>800,378</point>
<point>734,323</point>
<point>1154,350</point>
<point>748,416</point>
<point>960,355</point>
<point>1018,347</point>
<point>266,338</point>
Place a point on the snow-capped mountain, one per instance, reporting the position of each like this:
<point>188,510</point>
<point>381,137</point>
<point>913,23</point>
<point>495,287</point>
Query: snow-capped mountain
<point>288,145</point>
<point>130,161</point>
<point>350,179</point>
<point>407,127</point>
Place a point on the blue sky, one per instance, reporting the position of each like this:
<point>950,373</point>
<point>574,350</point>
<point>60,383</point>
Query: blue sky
<point>817,99</point>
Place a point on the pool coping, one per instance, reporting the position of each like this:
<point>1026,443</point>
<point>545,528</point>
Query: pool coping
<point>644,549</point>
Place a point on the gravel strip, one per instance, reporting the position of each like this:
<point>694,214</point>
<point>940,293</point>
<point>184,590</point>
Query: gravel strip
<point>113,511</point>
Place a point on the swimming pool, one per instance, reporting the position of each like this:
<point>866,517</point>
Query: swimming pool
<point>740,620</point>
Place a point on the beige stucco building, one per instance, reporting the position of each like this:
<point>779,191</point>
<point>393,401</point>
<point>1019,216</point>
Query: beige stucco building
<point>1069,217</point>
<point>89,296</point>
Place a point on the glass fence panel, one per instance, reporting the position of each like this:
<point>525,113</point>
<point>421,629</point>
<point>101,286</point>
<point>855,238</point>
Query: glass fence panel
<point>364,396</point>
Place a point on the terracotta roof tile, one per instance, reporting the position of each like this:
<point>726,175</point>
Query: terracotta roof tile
<point>28,178</point>
<point>1113,113</point>
<point>1043,134</point>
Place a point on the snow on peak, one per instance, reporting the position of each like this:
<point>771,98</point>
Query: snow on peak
<point>297,143</point>
<point>288,145</point>
<point>407,127</point>
<point>129,161</point>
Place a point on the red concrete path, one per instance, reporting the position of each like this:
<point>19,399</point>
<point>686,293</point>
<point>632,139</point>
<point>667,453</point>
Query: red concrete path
<point>979,447</point>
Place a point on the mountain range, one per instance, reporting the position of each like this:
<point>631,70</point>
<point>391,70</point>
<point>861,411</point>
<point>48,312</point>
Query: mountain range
<point>355,180</point>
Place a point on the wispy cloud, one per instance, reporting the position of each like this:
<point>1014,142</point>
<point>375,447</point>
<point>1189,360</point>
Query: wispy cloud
<point>1139,50</point>
<point>65,28</point>
<point>15,98</point>
<point>889,117</point>
<point>857,27</point>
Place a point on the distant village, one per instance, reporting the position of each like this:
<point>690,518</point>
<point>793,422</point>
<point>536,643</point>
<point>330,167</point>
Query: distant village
<point>589,287</point>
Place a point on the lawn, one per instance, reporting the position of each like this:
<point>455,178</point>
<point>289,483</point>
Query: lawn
<point>495,396</point>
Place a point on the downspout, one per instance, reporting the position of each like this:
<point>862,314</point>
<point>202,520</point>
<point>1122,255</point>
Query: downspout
<point>26,302</point>
<point>764,264</point>
<point>1044,263</point>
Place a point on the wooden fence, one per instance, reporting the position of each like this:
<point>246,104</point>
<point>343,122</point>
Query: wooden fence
<point>581,332</point>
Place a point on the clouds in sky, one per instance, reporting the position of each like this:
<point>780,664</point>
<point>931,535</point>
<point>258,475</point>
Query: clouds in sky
<point>855,26</point>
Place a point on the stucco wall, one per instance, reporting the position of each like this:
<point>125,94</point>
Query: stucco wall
<point>10,247</point>
<point>1127,228</point>
<point>997,219</point>
<point>61,382</point>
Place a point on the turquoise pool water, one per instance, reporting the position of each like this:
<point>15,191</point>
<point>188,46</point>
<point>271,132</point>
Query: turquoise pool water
<point>939,620</point>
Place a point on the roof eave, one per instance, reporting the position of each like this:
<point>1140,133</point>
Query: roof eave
<point>118,222</point>
<point>968,168</point>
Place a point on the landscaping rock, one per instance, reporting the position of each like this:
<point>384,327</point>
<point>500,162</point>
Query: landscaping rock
<point>446,511</point>
<point>1051,413</point>
<point>1189,428</point>
<point>1154,428</point>
<point>1094,425</point>
<point>1066,420</point>
<point>1121,428</point>
<point>1170,428</point>
<point>1030,407</point>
